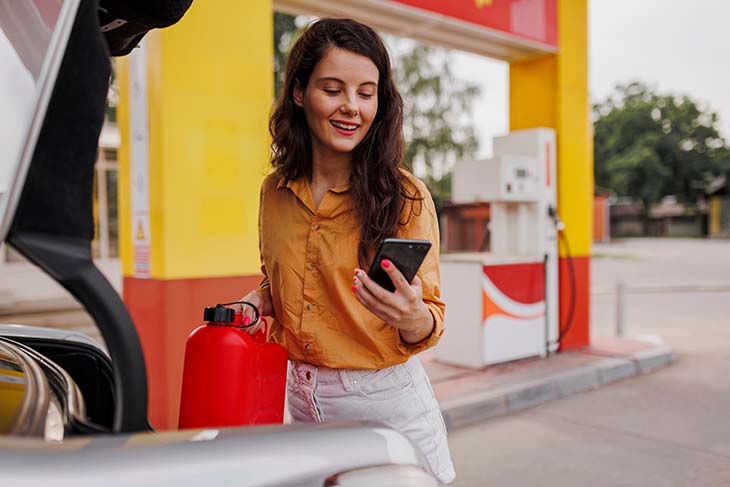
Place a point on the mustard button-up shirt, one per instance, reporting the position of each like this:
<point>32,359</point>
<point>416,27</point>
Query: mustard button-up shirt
<point>308,258</point>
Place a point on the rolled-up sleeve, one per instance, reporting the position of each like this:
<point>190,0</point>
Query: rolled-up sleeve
<point>423,225</point>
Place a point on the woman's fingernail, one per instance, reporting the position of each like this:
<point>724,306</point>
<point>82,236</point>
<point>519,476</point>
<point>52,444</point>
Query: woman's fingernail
<point>246,320</point>
<point>354,289</point>
<point>385,263</point>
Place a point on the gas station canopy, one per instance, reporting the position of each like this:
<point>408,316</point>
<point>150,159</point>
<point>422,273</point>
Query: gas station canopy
<point>200,103</point>
<point>511,30</point>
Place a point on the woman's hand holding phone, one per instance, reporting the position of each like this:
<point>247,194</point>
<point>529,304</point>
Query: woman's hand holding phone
<point>403,309</point>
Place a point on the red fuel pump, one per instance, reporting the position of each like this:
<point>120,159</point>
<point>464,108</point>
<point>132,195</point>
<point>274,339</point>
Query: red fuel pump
<point>231,378</point>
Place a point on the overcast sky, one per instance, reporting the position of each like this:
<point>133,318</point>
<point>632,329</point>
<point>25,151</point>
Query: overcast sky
<point>677,46</point>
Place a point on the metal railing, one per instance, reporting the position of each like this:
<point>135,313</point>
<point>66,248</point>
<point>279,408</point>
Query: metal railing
<point>620,290</point>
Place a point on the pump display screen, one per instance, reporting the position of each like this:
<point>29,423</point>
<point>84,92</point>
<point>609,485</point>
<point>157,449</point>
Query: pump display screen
<point>521,173</point>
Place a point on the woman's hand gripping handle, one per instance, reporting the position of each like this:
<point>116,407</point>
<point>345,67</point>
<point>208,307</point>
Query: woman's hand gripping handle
<point>261,298</point>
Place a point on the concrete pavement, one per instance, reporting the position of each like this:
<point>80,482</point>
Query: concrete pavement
<point>687,269</point>
<point>470,396</point>
<point>25,289</point>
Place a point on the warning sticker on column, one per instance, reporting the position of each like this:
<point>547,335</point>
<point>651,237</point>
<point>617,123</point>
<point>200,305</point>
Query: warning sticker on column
<point>141,245</point>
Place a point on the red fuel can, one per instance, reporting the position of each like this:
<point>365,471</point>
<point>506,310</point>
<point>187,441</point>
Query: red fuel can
<point>231,378</point>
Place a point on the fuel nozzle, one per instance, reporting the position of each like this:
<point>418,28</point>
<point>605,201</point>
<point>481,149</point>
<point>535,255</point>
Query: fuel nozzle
<point>553,214</point>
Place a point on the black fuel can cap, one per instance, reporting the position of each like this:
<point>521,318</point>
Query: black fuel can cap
<point>219,314</point>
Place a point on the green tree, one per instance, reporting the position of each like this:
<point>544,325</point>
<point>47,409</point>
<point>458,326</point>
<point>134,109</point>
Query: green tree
<point>285,31</point>
<point>438,126</point>
<point>648,145</point>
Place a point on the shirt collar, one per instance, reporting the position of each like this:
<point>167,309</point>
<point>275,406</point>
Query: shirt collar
<point>295,183</point>
<point>300,188</point>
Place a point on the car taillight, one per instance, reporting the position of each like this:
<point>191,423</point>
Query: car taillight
<point>383,476</point>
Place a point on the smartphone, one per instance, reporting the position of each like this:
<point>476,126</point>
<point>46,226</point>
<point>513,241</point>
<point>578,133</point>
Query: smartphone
<point>406,255</point>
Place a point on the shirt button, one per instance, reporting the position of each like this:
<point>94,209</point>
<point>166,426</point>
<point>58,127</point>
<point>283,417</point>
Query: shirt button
<point>316,227</point>
<point>308,347</point>
<point>310,266</point>
<point>354,382</point>
<point>309,375</point>
<point>309,306</point>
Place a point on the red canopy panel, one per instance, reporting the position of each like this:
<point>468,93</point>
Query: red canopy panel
<point>534,20</point>
<point>510,30</point>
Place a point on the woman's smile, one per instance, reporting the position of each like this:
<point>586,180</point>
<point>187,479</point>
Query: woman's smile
<point>345,128</point>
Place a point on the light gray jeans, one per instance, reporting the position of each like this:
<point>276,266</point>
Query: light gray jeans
<point>399,396</point>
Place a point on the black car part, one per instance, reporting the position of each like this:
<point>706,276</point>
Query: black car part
<point>125,22</point>
<point>53,226</point>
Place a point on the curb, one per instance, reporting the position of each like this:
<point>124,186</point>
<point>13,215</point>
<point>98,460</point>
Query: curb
<point>483,405</point>
<point>10,307</point>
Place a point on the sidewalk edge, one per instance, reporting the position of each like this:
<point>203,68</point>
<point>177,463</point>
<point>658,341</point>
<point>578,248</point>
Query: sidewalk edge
<point>477,407</point>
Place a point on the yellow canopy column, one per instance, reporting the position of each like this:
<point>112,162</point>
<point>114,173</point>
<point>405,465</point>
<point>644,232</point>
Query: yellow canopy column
<point>552,92</point>
<point>189,190</point>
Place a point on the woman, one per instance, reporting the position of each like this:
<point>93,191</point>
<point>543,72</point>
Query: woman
<point>336,191</point>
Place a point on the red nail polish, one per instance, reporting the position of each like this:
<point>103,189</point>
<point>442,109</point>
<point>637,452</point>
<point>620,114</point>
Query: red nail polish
<point>354,289</point>
<point>246,320</point>
<point>385,263</point>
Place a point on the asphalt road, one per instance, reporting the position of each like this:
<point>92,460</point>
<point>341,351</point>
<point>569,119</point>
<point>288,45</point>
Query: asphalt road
<point>667,428</point>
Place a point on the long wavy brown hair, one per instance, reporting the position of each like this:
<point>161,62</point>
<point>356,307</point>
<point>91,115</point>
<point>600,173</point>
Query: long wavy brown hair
<point>379,189</point>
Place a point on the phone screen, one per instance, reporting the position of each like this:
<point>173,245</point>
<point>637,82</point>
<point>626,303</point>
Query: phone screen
<point>406,255</point>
